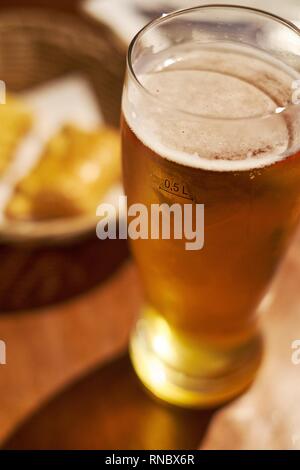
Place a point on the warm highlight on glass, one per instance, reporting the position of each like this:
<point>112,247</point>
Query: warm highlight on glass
<point>210,117</point>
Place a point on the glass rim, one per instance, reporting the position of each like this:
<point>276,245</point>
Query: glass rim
<point>177,13</point>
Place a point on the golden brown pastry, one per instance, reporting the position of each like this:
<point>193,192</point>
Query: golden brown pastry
<point>74,172</point>
<point>15,121</point>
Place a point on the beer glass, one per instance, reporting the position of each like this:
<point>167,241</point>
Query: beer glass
<point>210,116</point>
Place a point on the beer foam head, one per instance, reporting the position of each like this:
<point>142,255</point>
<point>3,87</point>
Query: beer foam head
<point>213,109</point>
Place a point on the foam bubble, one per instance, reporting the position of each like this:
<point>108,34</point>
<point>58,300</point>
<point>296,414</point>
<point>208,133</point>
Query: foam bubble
<point>229,99</point>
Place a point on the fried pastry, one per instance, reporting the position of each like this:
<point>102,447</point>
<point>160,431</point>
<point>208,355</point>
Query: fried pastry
<point>15,121</point>
<point>74,172</point>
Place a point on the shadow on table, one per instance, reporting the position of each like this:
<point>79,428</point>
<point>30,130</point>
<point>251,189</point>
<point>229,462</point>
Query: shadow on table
<point>35,276</point>
<point>109,409</point>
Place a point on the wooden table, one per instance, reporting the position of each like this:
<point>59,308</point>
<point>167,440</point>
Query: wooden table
<point>72,356</point>
<point>49,347</point>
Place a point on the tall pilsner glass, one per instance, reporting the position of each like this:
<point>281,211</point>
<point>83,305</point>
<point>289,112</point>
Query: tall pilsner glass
<point>210,116</point>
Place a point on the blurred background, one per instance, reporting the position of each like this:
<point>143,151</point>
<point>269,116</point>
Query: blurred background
<point>69,300</point>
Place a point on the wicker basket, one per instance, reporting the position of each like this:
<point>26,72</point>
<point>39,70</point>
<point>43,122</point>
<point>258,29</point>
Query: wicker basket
<point>40,45</point>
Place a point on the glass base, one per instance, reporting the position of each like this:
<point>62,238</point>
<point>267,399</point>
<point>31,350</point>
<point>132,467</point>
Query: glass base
<point>190,374</point>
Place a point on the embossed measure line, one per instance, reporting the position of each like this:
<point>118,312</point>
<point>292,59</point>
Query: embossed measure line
<point>189,198</point>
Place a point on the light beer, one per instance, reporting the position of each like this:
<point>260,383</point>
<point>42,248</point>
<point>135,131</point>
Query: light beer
<point>209,128</point>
